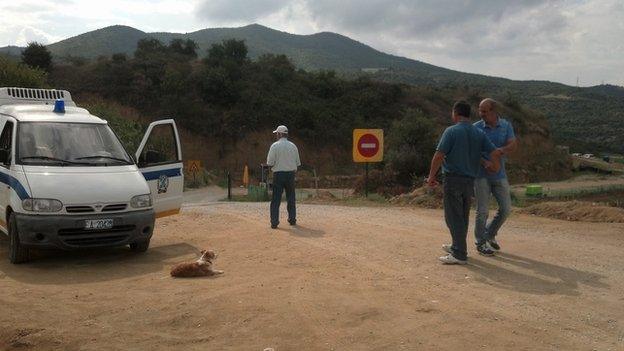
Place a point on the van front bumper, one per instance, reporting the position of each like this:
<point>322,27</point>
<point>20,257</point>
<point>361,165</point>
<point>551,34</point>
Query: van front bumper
<point>68,232</point>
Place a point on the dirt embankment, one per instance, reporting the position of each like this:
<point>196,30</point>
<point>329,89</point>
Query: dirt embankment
<point>422,197</point>
<point>577,211</point>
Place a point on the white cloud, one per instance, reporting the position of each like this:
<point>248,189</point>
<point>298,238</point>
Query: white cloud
<point>62,19</point>
<point>22,35</point>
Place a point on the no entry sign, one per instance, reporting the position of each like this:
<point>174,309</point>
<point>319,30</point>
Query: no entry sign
<point>367,145</point>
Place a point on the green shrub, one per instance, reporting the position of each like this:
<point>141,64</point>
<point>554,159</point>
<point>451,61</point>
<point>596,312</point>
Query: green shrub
<point>13,74</point>
<point>411,143</point>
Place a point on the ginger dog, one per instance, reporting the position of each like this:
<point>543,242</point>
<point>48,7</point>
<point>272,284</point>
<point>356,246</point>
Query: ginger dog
<point>200,268</point>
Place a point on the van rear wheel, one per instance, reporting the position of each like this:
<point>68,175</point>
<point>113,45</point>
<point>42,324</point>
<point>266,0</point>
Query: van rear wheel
<point>139,246</point>
<point>17,252</point>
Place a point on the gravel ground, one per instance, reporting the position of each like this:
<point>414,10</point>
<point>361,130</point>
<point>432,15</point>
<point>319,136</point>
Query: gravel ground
<point>346,278</point>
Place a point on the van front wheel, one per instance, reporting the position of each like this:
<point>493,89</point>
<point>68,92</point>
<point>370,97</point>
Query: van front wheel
<point>17,252</point>
<point>139,246</point>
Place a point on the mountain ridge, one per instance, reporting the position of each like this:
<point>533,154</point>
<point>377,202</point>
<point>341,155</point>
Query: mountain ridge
<point>61,48</point>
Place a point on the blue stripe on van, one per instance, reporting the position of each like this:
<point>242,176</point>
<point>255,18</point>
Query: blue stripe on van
<point>15,185</point>
<point>173,172</point>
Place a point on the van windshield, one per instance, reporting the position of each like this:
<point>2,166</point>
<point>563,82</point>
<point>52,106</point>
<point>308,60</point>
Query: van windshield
<point>69,144</point>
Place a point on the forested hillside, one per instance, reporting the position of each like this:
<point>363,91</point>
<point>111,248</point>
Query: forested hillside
<point>234,102</point>
<point>227,105</point>
<point>582,118</point>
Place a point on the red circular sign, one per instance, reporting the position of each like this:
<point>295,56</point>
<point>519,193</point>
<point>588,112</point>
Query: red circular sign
<point>368,145</point>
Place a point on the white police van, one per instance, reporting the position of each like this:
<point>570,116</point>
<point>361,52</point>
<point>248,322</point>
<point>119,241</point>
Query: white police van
<point>67,182</point>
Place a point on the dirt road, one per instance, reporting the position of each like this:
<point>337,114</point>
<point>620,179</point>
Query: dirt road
<point>347,278</point>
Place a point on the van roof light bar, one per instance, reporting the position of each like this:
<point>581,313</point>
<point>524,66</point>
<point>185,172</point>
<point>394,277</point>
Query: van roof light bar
<point>14,96</point>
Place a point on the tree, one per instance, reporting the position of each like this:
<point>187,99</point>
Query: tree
<point>37,56</point>
<point>223,72</point>
<point>230,51</point>
<point>186,48</point>
<point>149,47</point>
<point>279,66</point>
<point>411,143</point>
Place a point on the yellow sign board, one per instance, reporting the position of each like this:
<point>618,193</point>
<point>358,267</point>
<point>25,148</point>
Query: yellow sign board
<point>193,166</point>
<point>368,145</point>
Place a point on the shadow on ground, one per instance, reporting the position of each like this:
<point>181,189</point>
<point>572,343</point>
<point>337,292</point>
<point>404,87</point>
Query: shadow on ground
<point>305,232</point>
<point>526,275</point>
<point>90,265</point>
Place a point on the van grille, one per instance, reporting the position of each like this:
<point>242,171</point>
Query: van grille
<point>79,209</point>
<point>81,231</point>
<point>97,240</point>
<point>115,207</point>
<point>88,209</point>
<point>84,238</point>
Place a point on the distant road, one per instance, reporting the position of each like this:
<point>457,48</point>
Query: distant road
<point>204,195</point>
<point>208,194</point>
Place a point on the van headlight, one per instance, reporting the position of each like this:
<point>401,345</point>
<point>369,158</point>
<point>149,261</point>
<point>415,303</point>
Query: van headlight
<point>42,205</point>
<point>141,201</point>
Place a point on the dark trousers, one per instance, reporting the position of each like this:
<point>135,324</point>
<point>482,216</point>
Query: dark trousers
<point>283,181</point>
<point>457,196</point>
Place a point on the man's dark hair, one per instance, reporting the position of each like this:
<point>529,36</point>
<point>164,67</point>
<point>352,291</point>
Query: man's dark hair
<point>462,108</point>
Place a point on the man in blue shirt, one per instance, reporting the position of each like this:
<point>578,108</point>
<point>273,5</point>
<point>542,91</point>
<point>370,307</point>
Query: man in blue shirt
<point>500,132</point>
<point>459,153</point>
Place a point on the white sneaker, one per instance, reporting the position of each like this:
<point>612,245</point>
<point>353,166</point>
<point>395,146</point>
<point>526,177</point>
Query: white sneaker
<point>450,259</point>
<point>447,248</point>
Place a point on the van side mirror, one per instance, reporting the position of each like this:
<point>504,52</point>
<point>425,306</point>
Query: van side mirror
<point>4,156</point>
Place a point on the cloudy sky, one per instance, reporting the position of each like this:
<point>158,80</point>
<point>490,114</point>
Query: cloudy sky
<point>557,40</point>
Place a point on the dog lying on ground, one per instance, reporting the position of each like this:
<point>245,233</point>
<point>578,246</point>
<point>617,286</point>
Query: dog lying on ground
<point>200,268</point>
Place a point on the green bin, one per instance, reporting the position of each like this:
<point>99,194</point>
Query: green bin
<point>534,190</point>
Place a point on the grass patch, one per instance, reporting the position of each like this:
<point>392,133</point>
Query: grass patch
<point>571,194</point>
<point>609,194</point>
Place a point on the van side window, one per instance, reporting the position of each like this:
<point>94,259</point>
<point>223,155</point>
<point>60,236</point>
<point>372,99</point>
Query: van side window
<point>161,147</point>
<point>6,139</point>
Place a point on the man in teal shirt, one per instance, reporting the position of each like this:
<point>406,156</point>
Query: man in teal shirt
<point>459,154</point>
<point>500,132</point>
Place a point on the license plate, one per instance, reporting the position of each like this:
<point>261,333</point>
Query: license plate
<point>98,224</point>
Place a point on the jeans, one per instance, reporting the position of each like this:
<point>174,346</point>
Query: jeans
<point>500,189</point>
<point>457,196</point>
<point>283,181</point>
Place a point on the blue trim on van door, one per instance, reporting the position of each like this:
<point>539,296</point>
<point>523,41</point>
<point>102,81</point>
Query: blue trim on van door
<point>173,172</point>
<point>15,185</point>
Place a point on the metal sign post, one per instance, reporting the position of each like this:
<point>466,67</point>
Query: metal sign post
<point>229,185</point>
<point>367,148</point>
<point>366,182</point>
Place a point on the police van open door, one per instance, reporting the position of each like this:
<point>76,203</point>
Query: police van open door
<point>159,158</point>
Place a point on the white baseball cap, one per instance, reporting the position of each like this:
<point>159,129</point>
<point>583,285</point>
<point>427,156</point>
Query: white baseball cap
<point>281,129</point>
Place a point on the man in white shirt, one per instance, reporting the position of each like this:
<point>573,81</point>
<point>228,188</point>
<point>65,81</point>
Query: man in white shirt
<point>283,157</point>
